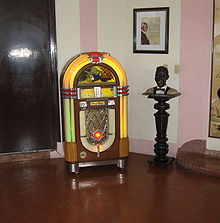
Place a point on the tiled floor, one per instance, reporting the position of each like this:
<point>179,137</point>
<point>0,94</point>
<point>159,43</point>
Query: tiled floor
<point>44,192</point>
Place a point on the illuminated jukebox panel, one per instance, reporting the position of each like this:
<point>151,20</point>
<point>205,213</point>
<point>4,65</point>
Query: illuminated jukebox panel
<point>94,98</point>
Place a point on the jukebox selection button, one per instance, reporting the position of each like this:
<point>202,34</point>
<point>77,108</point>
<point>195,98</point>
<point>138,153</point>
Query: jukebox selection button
<point>83,104</point>
<point>111,102</point>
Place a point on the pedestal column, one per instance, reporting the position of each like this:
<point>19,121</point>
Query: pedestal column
<point>161,121</point>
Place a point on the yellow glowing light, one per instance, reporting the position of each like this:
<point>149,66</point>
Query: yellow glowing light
<point>97,135</point>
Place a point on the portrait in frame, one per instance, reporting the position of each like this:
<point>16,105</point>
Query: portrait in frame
<point>151,30</point>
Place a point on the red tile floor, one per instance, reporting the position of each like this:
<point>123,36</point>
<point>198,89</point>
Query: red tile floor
<point>44,192</point>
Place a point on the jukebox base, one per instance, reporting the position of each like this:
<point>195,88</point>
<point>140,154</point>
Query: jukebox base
<point>74,167</point>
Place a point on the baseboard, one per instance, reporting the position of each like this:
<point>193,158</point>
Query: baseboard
<point>24,156</point>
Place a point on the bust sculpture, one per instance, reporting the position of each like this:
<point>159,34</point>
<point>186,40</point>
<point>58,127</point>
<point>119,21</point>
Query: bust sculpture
<point>161,93</point>
<point>161,77</point>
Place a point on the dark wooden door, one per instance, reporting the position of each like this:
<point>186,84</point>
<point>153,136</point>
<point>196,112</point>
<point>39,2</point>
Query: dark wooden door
<point>29,117</point>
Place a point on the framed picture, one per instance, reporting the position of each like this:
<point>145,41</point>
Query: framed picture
<point>151,30</point>
<point>214,117</point>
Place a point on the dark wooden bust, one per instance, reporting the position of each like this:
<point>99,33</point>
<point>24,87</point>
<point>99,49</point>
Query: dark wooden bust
<point>161,77</point>
<point>161,93</point>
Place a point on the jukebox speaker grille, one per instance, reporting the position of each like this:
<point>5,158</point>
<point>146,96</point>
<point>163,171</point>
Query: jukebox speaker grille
<point>97,122</point>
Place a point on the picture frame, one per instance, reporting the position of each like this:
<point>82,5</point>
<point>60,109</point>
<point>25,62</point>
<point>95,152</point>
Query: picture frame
<point>214,115</point>
<point>151,30</point>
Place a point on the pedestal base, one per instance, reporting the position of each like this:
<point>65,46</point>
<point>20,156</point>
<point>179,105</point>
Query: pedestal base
<point>161,120</point>
<point>74,167</point>
<point>160,164</point>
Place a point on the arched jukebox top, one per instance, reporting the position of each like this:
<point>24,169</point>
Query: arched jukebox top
<point>94,89</point>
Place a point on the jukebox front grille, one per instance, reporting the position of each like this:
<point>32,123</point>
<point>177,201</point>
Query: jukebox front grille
<point>97,125</point>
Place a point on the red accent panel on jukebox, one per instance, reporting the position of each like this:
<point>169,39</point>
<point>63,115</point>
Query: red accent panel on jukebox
<point>94,110</point>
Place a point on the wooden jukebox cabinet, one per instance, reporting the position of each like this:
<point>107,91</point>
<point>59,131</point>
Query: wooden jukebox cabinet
<point>94,100</point>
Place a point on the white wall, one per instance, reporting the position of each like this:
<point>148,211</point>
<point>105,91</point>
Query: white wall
<point>115,35</point>
<point>68,40</point>
<point>111,28</point>
<point>68,30</point>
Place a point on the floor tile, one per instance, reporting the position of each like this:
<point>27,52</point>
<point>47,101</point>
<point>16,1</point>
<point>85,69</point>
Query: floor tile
<point>44,191</point>
<point>9,215</point>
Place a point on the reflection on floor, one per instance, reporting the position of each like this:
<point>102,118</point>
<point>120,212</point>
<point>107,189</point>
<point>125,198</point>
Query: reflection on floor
<point>194,156</point>
<point>44,192</point>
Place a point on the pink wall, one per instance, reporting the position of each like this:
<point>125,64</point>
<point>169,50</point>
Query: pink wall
<point>196,32</point>
<point>88,25</point>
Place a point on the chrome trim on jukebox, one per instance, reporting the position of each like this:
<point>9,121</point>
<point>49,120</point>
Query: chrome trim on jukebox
<point>115,91</point>
<point>120,87</point>
<point>69,93</point>
<point>78,93</point>
<point>121,163</point>
<point>122,90</point>
<point>74,167</point>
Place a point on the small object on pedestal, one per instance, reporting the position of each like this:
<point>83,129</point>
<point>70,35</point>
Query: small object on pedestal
<point>161,93</point>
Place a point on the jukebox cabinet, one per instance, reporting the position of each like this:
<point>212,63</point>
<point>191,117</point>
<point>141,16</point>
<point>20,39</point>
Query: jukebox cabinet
<point>94,111</point>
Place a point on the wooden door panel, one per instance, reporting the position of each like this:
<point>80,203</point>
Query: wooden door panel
<point>28,83</point>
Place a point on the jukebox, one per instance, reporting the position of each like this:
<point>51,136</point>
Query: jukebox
<point>94,111</point>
